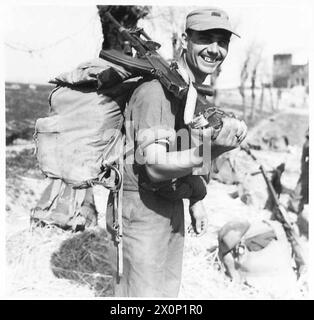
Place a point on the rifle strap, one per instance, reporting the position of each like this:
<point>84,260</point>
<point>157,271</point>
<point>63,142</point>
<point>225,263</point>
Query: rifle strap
<point>117,213</point>
<point>184,70</point>
<point>190,104</point>
<point>191,98</point>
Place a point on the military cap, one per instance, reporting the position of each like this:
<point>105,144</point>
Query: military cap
<point>207,19</point>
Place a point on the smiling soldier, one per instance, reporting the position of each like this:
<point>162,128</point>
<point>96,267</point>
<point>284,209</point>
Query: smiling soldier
<point>153,225</point>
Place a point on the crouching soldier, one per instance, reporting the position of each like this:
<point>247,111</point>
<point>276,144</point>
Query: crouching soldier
<point>257,254</point>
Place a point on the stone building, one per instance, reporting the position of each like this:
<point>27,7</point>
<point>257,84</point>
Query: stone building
<point>287,75</point>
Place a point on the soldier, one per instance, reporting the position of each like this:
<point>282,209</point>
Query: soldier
<point>258,254</point>
<point>153,226</point>
<point>304,177</point>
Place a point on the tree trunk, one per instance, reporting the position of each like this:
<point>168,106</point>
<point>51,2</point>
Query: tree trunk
<point>242,93</point>
<point>176,47</point>
<point>244,107</point>
<point>271,99</point>
<point>278,98</point>
<point>253,94</point>
<point>261,102</point>
<point>127,16</point>
<point>244,75</point>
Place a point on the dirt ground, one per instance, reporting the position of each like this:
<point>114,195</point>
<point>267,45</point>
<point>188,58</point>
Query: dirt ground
<point>28,254</point>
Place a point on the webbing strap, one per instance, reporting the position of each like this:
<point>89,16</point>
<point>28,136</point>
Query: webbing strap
<point>101,196</point>
<point>57,189</point>
<point>120,204</point>
<point>79,198</point>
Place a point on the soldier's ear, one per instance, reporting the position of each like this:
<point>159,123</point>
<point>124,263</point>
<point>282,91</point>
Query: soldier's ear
<point>184,40</point>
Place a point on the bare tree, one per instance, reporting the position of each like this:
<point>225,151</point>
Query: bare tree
<point>128,16</point>
<point>261,101</point>
<point>265,80</point>
<point>257,59</point>
<point>250,70</point>
<point>243,77</point>
<point>171,20</point>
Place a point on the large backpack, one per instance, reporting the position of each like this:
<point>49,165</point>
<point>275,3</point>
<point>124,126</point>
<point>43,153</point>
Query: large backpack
<point>79,145</point>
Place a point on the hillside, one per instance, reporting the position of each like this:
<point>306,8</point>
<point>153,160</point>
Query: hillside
<point>23,105</point>
<point>28,254</point>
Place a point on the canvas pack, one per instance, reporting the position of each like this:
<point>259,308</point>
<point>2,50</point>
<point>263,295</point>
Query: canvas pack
<point>80,141</point>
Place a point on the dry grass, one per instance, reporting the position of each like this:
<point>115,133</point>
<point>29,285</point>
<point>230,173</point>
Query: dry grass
<point>28,266</point>
<point>29,273</point>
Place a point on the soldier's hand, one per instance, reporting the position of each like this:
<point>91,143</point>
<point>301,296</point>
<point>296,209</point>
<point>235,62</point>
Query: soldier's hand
<point>199,122</point>
<point>232,133</point>
<point>199,220</point>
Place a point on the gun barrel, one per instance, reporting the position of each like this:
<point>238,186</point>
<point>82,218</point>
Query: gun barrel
<point>248,151</point>
<point>270,186</point>
<point>204,89</point>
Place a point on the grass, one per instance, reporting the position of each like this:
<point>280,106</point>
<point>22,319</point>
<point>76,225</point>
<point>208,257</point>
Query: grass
<point>26,157</point>
<point>29,274</point>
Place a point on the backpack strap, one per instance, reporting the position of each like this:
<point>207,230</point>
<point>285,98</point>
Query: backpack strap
<point>75,205</point>
<point>120,207</point>
<point>48,198</point>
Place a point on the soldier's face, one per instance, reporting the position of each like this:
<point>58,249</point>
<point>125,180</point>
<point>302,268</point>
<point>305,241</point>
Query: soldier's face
<point>206,50</point>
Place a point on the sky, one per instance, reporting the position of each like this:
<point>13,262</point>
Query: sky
<point>62,36</point>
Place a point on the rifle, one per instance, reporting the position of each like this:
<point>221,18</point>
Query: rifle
<point>281,215</point>
<point>149,62</point>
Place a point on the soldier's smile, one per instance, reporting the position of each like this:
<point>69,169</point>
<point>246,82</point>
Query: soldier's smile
<point>206,50</point>
<point>210,59</point>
